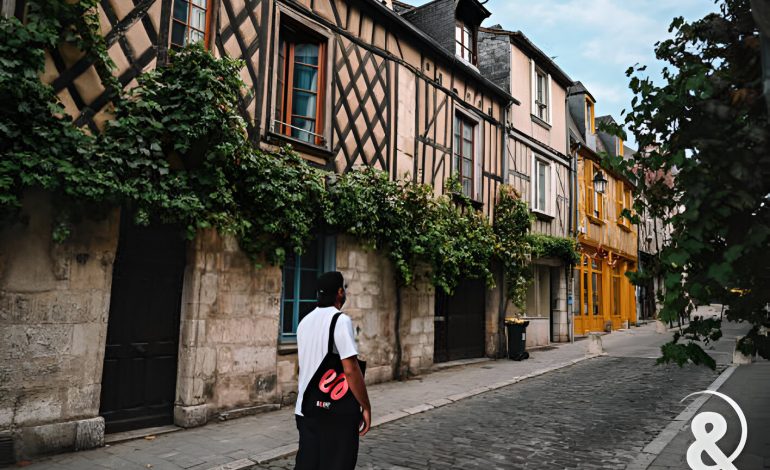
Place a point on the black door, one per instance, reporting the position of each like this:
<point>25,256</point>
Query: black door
<point>460,322</point>
<point>140,361</point>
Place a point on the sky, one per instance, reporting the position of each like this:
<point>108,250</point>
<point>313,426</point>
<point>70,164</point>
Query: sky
<point>595,41</point>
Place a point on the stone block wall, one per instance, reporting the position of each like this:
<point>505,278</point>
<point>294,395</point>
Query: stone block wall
<point>559,314</point>
<point>54,304</point>
<point>417,325</point>
<point>229,331</point>
<point>371,304</point>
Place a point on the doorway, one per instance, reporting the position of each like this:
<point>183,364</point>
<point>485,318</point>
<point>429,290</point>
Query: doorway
<point>140,360</point>
<point>460,322</point>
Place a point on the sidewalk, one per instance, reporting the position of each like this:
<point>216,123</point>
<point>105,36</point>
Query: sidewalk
<point>240,443</point>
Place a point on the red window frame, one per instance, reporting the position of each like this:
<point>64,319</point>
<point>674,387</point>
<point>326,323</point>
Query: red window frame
<point>187,24</point>
<point>289,37</point>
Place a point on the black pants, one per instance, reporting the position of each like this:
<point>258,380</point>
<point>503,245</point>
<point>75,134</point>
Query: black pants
<point>327,443</point>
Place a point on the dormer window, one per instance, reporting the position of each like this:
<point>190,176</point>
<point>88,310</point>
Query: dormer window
<point>590,122</point>
<point>465,43</point>
<point>618,147</point>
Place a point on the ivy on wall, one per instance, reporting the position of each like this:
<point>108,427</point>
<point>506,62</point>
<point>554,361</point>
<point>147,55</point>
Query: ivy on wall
<point>177,152</point>
<point>550,246</point>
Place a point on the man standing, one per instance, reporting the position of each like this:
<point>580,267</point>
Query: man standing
<point>329,442</point>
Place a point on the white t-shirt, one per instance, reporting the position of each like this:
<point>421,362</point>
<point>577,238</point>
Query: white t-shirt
<point>313,341</point>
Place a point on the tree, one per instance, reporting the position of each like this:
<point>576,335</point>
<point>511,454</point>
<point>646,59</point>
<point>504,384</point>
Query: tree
<point>705,164</point>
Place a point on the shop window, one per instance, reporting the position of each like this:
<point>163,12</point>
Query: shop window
<point>301,81</point>
<point>596,286</point>
<point>299,283</point>
<point>616,289</point>
<point>190,22</point>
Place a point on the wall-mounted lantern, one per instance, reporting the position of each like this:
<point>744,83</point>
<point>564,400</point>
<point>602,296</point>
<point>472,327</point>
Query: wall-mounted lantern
<point>600,182</point>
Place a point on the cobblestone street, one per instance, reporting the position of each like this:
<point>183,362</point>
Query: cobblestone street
<point>596,414</point>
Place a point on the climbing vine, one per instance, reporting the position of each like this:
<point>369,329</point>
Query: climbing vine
<point>38,143</point>
<point>564,248</point>
<point>512,223</point>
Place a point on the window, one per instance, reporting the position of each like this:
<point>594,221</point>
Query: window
<point>300,85</point>
<point>299,283</point>
<point>590,286</point>
<point>17,8</point>
<point>464,151</point>
<point>616,306</point>
<point>618,146</point>
<point>594,201</point>
<point>190,23</point>
<point>590,122</point>
<point>542,183</point>
<point>596,286</point>
<point>623,200</point>
<point>541,93</point>
<point>464,42</point>
<point>619,201</point>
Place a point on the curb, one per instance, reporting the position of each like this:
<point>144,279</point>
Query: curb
<point>290,449</point>
<point>664,438</point>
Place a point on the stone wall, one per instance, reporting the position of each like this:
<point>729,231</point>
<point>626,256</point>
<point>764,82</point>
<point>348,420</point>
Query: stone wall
<point>493,304</point>
<point>371,304</point>
<point>417,326</point>
<point>54,304</point>
<point>229,331</point>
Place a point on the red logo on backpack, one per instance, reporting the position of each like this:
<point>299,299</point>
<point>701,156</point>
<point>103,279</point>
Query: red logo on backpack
<point>335,385</point>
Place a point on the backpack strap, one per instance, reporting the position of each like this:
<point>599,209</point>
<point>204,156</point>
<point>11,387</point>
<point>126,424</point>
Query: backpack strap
<point>331,331</point>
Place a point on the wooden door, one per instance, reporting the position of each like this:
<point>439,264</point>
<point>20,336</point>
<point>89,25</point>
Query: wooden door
<point>460,322</point>
<point>140,361</point>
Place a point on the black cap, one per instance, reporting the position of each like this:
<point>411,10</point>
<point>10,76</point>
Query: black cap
<point>330,283</point>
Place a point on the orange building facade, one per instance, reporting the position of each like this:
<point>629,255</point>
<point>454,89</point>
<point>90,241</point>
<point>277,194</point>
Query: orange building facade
<point>604,298</point>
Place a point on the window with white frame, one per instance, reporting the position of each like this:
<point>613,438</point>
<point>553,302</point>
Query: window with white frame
<point>542,186</point>
<point>464,42</point>
<point>541,94</point>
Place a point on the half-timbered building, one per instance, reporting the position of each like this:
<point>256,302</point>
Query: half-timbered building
<point>538,164</point>
<point>606,299</point>
<point>130,327</point>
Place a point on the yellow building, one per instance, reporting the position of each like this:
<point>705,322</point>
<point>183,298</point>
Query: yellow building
<point>604,297</point>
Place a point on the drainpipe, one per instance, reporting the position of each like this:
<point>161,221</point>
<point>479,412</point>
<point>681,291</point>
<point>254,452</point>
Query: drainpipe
<point>501,343</point>
<point>573,218</point>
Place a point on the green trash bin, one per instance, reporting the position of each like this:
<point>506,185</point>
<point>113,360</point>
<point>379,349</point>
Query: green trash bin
<point>517,339</point>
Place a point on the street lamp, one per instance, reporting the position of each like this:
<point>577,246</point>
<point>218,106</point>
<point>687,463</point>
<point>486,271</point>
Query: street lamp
<point>600,182</point>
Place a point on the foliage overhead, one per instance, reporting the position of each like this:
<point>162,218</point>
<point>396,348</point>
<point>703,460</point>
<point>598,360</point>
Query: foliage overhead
<point>705,166</point>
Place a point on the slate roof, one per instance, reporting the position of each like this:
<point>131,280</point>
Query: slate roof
<point>578,87</point>
<point>530,49</point>
<point>399,21</point>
